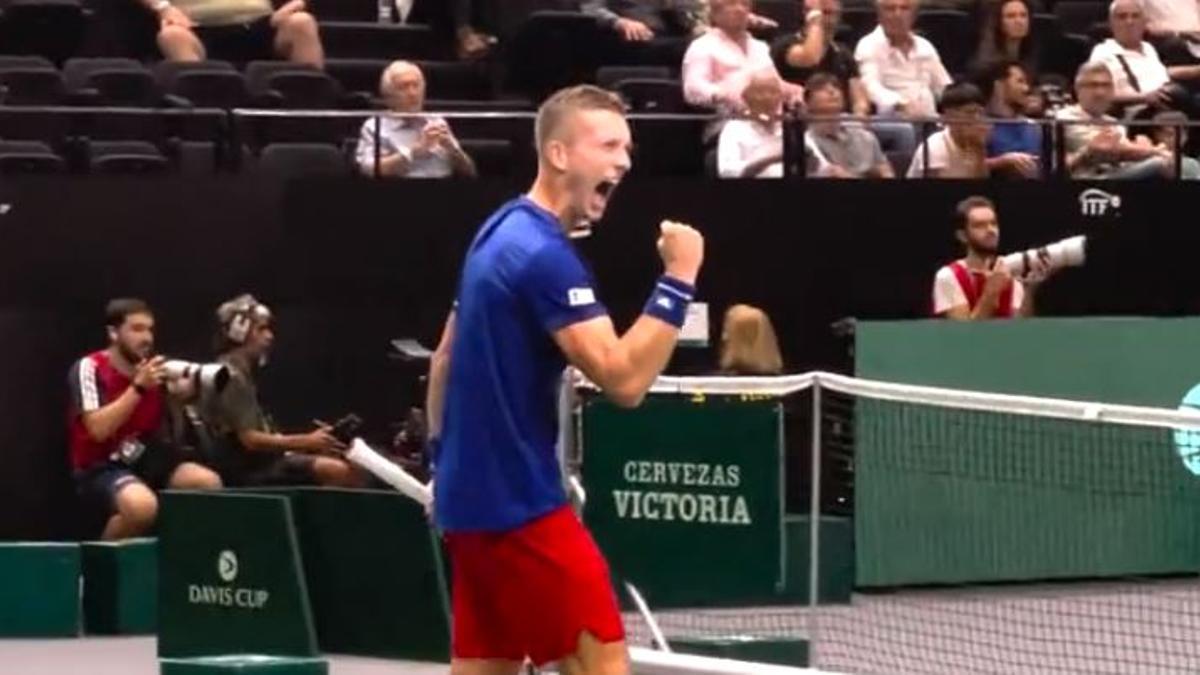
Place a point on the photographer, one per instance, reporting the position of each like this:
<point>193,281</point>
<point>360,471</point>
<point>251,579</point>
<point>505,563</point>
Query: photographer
<point>115,414</point>
<point>979,286</point>
<point>253,452</point>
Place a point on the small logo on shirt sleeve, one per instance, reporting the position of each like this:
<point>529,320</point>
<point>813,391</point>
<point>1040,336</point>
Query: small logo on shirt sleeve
<point>665,302</point>
<point>578,297</point>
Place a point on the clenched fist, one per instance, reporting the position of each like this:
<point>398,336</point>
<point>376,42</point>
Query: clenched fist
<point>681,248</point>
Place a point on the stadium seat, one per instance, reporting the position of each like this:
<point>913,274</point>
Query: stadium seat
<point>609,76</point>
<point>498,105</point>
<point>29,80</point>
<point>333,11</point>
<point>572,37</point>
<point>110,81</point>
<point>211,84</point>
<point>282,84</point>
<point>952,32</point>
<point>288,160</point>
<point>373,40</point>
<point>32,124</point>
<point>652,95</point>
<point>53,29</point>
<point>492,156</point>
<point>29,157</point>
<point>457,80</point>
<point>357,74</point>
<point>1079,17</point>
<point>125,157</point>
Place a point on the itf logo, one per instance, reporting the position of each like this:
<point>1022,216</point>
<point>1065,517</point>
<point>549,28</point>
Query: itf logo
<point>1187,441</point>
<point>1095,202</point>
<point>227,566</point>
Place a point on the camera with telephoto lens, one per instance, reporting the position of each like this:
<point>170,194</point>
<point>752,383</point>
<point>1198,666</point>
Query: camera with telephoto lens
<point>346,428</point>
<point>1070,252</point>
<point>208,378</point>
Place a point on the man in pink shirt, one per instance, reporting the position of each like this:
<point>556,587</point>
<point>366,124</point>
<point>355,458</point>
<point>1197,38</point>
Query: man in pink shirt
<point>719,64</point>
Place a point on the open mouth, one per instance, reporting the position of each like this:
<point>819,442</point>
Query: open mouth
<point>605,188</point>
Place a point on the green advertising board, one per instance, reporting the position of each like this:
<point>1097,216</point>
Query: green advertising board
<point>947,496</point>
<point>685,497</point>
<point>230,577</point>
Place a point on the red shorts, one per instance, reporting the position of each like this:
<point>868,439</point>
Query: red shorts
<point>530,591</point>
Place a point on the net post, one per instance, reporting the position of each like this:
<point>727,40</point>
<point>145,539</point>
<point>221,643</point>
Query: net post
<point>814,526</point>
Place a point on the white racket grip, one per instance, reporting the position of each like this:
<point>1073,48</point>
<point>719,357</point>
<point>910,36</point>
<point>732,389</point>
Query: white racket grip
<point>389,472</point>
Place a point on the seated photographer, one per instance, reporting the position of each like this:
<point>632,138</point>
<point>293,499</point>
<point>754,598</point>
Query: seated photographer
<point>409,147</point>
<point>253,452</point>
<point>117,454</point>
<point>980,286</point>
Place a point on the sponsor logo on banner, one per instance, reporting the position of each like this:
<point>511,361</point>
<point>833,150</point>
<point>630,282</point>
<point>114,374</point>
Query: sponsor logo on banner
<point>688,492</point>
<point>226,595</point>
<point>1096,202</point>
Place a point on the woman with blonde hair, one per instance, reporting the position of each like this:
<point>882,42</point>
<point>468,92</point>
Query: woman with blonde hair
<point>748,343</point>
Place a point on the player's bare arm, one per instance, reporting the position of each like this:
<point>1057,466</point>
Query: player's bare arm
<point>624,367</point>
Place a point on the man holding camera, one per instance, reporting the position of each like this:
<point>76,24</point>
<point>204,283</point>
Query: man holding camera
<point>980,286</point>
<point>254,452</point>
<point>115,415</point>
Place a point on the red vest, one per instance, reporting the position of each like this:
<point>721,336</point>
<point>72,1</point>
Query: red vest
<point>95,382</point>
<point>971,284</point>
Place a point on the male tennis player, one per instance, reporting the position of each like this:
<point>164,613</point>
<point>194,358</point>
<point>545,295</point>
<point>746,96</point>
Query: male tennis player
<point>528,580</point>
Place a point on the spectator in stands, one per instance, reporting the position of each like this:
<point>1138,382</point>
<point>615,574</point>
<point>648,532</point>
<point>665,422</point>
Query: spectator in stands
<point>959,150</point>
<point>720,63</point>
<point>1173,26</point>
<point>115,417</point>
<point>410,147</point>
<point>1014,148</point>
<point>902,71</point>
<point>648,31</point>
<point>1097,147</point>
<point>752,146</point>
<point>1142,83</point>
<point>1006,37</point>
<point>237,30</point>
<point>979,286</point>
<point>814,50</point>
<point>254,452</point>
<point>833,148</point>
<point>748,343</point>
<point>1170,134</point>
<point>645,20</point>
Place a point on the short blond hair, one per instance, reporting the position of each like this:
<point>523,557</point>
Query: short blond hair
<point>556,109</point>
<point>748,343</point>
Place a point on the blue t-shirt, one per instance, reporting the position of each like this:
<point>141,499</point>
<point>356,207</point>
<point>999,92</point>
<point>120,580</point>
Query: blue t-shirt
<point>1015,136</point>
<point>522,281</point>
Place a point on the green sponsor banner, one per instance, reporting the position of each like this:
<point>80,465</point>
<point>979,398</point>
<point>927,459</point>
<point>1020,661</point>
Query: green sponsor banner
<point>230,577</point>
<point>685,497</point>
<point>949,496</point>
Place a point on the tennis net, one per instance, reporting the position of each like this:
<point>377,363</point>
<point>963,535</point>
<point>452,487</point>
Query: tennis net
<point>992,533</point>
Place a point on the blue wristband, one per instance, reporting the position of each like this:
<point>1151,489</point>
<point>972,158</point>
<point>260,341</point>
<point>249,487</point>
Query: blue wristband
<point>669,300</point>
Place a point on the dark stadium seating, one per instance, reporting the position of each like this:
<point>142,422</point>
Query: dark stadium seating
<point>110,81</point>
<point>29,80</point>
<point>215,84</point>
<point>125,157</point>
<point>52,29</point>
<point>29,157</point>
<point>286,160</point>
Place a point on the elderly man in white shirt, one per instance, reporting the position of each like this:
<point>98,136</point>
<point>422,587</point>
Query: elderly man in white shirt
<point>902,71</point>
<point>752,147</point>
<point>1174,28</point>
<point>411,146</point>
<point>719,64</point>
<point>1140,79</point>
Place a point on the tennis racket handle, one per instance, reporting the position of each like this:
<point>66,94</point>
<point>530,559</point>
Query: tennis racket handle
<point>362,455</point>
